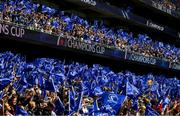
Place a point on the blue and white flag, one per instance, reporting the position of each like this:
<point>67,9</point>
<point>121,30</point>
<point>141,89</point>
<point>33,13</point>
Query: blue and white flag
<point>150,112</point>
<point>19,111</point>
<point>135,105</point>
<point>49,85</point>
<point>59,107</point>
<point>4,83</point>
<point>79,102</point>
<point>131,89</point>
<point>112,102</point>
<point>72,102</point>
<point>155,86</point>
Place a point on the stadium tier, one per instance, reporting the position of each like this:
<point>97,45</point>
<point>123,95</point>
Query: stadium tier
<point>48,20</point>
<point>53,87</point>
<point>49,86</point>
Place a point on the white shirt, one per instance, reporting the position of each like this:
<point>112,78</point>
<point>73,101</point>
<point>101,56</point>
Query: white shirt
<point>53,113</point>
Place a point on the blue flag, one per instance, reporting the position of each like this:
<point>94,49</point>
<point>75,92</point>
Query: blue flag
<point>69,27</point>
<point>4,83</point>
<point>97,91</point>
<point>96,110</point>
<point>79,102</point>
<point>49,85</point>
<point>155,86</point>
<point>20,111</point>
<point>166,103</point>
<point>59,107</point>
<point>112,102</point>
<point>72,102</point>
<point>95,106</point>
<point>150,112</point>
<point>0,106</point>
<point>131,89</point>
<point>135,105</point>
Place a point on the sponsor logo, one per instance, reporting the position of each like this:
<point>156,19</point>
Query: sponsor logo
<point>71,43</point>
<point>153,25</point>
<point>91,2</point>
<point>148,60</point>
<point>11,30</point>
<point>113,99</point>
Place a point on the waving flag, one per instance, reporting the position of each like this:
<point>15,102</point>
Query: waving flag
<point>95,106</point>
<point>59,107</point>
<point>2,64</point>
<point>72,102</point>
<point>21,85</point>
<point>69,26</point>
<point>19,111</point>
<point>150,112</point>
<point>155,86</point>
<point>98,91</point>
<point>131,89</point>
<point>4,83</point>
<point>96,111</point>
<point>166,103</point>
<point>112,102</point>
<point>79,102</point>
<point>135,105</point>
<point>49,85</point>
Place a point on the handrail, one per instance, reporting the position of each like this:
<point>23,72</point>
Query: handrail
<point>111,47</point>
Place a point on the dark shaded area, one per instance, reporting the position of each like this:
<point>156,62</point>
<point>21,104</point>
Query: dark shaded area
<point>148,12</point>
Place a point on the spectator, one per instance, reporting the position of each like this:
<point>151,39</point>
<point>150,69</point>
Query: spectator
<point>84,90</point>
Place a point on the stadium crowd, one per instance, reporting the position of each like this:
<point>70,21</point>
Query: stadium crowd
<point>52,87</point>
<point>170,4</point>
<point>45,19</point>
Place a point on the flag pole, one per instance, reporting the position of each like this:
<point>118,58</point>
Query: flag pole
<point>3,106</point>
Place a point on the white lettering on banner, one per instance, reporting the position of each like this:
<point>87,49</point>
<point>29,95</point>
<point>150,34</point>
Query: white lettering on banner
<point>143,59</point>
<point>125,14</point>
<point>13,31</point>
<point>71,43</point>
<point>84,46</point>
<point>153,25</point>
<point>91,2</point>
<point>4,29</point>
